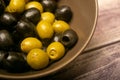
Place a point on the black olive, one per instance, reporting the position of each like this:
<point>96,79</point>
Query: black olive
<point>15,62</point>
<point>49,5</point>
<point>25,28</point>
<point>33,15</point>
<point>2,6</point>
<point>2,55</point>
<point>17,38</point>
<point>57,37</point>
<point>8,21</point>
<point>69,38</point>
<point>64,13</point>
<point>5,40</point>
<point>7,2</point>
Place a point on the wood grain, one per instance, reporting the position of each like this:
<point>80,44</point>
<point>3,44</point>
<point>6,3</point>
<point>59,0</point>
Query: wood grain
<point>101,58</point>
<point>91,63</point>
<point>108,26</point>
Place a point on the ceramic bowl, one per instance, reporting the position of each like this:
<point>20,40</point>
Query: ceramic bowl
<point>83,22</point>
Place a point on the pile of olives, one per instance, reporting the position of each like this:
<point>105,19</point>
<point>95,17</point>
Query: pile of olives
<point>33,34</point>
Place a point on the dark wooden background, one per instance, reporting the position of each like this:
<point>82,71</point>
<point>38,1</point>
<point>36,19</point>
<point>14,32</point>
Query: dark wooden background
<point>101,59</point>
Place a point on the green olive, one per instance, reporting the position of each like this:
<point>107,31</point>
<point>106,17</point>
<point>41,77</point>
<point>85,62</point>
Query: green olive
<point>30,43</point>
<point>44,29</point>
<point>37,59</point>
<point>55,50</point>
<point>60,26</point>
<point>16,6</point>
<point>48,16</point>
<point>34,4</point>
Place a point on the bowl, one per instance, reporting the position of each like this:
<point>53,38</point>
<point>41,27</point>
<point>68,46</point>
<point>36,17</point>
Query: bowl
<point>83,22</point>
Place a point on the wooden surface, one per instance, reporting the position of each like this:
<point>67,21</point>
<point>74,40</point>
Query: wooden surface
<point>101,58</point>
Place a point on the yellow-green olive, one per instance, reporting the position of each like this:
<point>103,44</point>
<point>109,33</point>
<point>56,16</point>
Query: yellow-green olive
<point>60,26</point>
<point>16,6</point>
<point>55,50</point>
<point>44,29</point>
<point>48,16</point>
<point>37,59</point>
<point>34,4</point>
<point>30,43</point>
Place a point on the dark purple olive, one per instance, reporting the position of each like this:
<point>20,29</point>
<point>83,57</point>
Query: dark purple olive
<point>49,5</point>
<point>25,28</point>
<point>64,13</point>
<point>15,62</point>
<point>2,6</point>
<point>69,38</point>
<point>17,38</point>
<point>32,14</point>
<point>2,55</point>
<point>6,2</point>
<point>8,21</point>
<point>57,37</point>
<point>5,40</point>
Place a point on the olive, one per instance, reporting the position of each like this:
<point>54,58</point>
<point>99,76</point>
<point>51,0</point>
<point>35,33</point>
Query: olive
<point>57,37</point>
<point>5,39</point>
<point>37,59</point>
<point>49,5</point>
<point>30,43</point>
<point>33,15</point>
<point>69,38</point>
<point>26,1</point>
<point>17,38</point>
<point>55,50</point>
<point>15,62</point>
<point>2,55</point>
<point>2,6</point>
<point>16,6</point>
<point>34,4</point>
<point>48,16</point>
<point>8,21</point>
<point>25,28</point>
<point>60,26</point>
<point>44,29</point>
<point>7,2</point>
<point>64,13</point>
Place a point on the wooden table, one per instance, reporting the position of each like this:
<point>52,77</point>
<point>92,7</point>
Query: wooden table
<point>101,58</point>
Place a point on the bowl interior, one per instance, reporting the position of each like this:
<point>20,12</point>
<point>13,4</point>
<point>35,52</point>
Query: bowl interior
<point>83,22</point>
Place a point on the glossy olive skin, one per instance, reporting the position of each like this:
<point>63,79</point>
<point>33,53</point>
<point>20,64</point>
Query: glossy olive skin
<point>57,37</point>
<point>6,40</point>
<point>2,6</point>
<point>8,21</point>
<point>49,5</point>
<point>25,28</point>
<point>69,38</point>
<point>15,6</point>
<point>15,62</point>
<point>64,13</point>
<point>2,55</point>
<point>32,14</point>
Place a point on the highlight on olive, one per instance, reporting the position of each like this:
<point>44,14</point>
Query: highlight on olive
<point>33,34</point>
<point>69,38</point>
<point>64,13</point>
<point>49,5</point>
